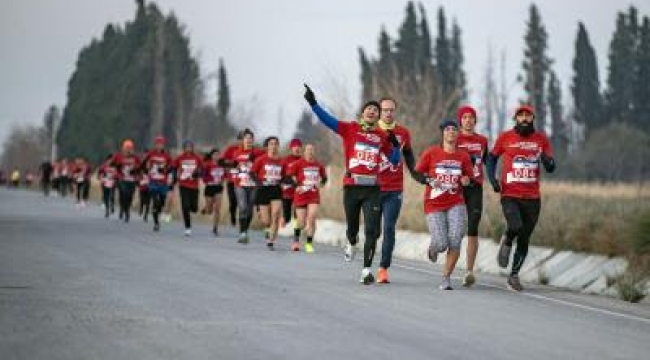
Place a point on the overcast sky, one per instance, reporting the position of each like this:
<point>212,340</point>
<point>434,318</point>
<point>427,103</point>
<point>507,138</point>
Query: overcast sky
<point>271,47</point>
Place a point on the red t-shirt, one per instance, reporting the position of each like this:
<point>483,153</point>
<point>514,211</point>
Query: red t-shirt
<point>521,155</point>
<point>447,169</point>
<point>476,146</point>
<point>80,173</point>
<point>229,155</point>
<point>244,159</point>
<point>107,175</point>
<point>391,177</point>
<point>308,175</point>
<point>186,165</point>
<point>213,173</point>
<point>127,165</point>
<point>362,150</point>
<point>157,164</point>
<point>288,190</point>
<point>268,170</point>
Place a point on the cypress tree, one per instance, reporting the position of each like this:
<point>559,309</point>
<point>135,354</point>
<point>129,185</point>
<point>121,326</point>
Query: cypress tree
<point>585,88</point>
<point>536,65</point>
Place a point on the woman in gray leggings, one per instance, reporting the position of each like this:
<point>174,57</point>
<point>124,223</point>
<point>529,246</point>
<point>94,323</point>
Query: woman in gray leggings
<point>445,169</point>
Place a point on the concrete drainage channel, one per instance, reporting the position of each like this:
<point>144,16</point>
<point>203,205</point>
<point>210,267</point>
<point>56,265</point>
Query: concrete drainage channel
<point>586,273</point>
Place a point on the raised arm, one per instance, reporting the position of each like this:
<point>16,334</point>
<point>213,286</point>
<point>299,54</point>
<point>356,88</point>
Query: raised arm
<point>328,120</point>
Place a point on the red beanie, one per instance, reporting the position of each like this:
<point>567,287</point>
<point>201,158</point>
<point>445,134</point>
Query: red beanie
<point>295,143</point>
<point>465,110</point>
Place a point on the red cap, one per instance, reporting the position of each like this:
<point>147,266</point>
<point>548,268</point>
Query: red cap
<point>465,110</point>
<point>159,140</point>
<point>525,107</point>
<point>295,143</point>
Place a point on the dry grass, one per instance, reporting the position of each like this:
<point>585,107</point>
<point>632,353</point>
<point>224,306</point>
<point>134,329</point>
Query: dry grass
<point>575,216</point>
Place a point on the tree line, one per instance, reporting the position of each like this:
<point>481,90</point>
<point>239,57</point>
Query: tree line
<point>138,81</point>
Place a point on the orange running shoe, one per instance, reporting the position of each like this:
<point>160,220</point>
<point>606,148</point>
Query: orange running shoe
<point>382,276</point>
<point>295,246</point>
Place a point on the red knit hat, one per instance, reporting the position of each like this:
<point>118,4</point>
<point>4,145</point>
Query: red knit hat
<point>295,143</point>
<point>465,110</point>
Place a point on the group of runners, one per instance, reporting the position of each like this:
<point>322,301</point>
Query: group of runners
<point>281,190</point>
<point>376,148</point>
<point>284,190</point>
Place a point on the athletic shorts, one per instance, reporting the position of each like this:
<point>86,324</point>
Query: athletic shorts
<point>302,200</point>
<point>212,190</point>
<point>266,194</point>
<point>474,202</point>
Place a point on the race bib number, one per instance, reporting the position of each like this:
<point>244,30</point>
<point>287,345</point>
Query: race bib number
<point>156,171</point>
<point>187,169</point>
<point>364,155</point>
<point>272,174</point>
<point>312,177</point>
<point>217,175</point>
<point>524,170</point>
<point>447,176</point>
<point>477,166</point>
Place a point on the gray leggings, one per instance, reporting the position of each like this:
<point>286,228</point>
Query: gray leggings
<point>245,203</point>
<point>447,228</point>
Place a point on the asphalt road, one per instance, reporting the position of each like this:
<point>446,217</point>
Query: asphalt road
<point>76,286</point>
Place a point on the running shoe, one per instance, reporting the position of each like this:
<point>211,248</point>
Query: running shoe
<point>503,256</point>
<point>167,217</point>
<point>309,248</point>
<point>295,246</point>
<point>366,277</point>
<point>469,279</point>
<point>188,233</point>
<point>433,254</point>
<point>382,276</point>
<point>156,227</point>
<point>446,283</point>
<point>350,251</point>
<point>269,245</point>
<point>514,284</point>
<point>215,232</point>
<point>243,238</point>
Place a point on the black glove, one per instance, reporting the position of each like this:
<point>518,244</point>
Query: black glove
<point>393,139</point>
<point>196,174</point>
<point>309,96</point>
<point>420,177</point>
<point>495,185</point>
<point>548,162</point>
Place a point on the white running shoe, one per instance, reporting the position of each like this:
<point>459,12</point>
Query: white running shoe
<point>366,276</point>
<point>446,283</point>
<point>188,232</point>
<point>350,251</point>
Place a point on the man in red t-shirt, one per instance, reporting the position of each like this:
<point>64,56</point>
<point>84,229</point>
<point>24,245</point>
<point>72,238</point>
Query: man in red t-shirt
<point>391,182</point>
<point>522,149</point>
<point>128,165</point>
<point>288,190</point>
<point>107,176</point>
<point>157,165</point>
<point>363,144</point>
<point>189,167</point>
<point>228,162</point>
<point>476,146</point>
